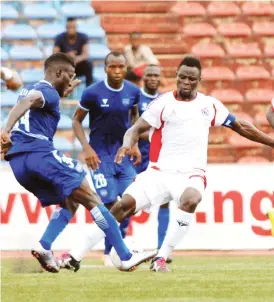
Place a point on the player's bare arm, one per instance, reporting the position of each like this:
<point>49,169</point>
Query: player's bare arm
<point>135,152</point>
<point>131,137</point>
<point>83,56</point>
<point>250,132</point>
<point>91,156</point>
<point>270,116</point>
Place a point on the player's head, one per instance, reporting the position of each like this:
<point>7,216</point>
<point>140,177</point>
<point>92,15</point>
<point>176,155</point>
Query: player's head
<point>135,39</point>
<point>59,69</point>
<point>115,67</point>
<point>151,78</point>
<point>188,76</point>
<point>71,27</point>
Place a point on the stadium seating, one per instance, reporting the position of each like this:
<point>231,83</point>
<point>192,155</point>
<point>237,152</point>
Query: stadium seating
<point>19,32</point>
<point>252,159</point>
<point>19,52</point>
<point>77,10</point>
<point>8,98</point>
<point>39,11</point>
<point>8,12</point>
<point>31,76</point>
<point>49,31</point>
<point>98,51</point>
<point>92,29</point>
<point>3,54</point>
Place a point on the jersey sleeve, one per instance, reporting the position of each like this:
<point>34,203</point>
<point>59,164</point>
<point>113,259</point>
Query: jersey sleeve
<point>87,99</point>
<point>49,96</point>
<point>137,98</point>
<point>221,113</point>
<point>58,41</point>
<point>154,112</point>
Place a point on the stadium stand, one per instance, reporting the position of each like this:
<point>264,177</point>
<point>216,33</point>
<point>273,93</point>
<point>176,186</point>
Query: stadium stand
<point>233,39</point>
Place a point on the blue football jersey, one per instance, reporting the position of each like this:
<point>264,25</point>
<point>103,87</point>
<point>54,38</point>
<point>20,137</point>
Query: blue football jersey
<point>109,114</point>
<point>145,99</point>
<point>35,130</point>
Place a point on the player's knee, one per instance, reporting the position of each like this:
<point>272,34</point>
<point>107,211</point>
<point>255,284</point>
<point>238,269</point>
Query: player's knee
<point>189,200</point>
<point>123,208</point>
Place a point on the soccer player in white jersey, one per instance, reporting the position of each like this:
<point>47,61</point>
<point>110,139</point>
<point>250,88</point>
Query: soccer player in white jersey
<point>270,118</point>
<point>179,123</point>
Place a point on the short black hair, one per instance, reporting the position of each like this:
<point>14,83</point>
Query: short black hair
<point>191,62</point>
<point>59,57</point>
<point>115,54</point>
<point>71,19</point>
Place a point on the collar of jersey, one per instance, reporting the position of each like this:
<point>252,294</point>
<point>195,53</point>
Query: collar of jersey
<point>152,96</point>
<point>44,81</point>
<point>112,89</point>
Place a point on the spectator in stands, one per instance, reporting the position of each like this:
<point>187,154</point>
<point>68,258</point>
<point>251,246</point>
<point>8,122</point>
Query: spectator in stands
<point>76,45</point>
<point>138,54</point>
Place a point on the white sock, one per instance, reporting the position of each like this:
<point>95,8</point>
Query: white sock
<point>177,230</point>
<point>93,237</point>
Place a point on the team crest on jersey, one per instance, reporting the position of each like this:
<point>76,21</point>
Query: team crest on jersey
<point>104,192</point>
<point>126,101</point>
<point>104,103</point>
<point>205,111</point>
<point>144,106</point>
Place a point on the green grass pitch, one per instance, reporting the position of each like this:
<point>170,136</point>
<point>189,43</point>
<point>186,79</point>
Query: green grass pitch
<point>194,279</point>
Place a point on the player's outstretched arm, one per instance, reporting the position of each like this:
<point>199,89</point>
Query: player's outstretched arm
<point>91,156</point>
<point>249,131</point>
<point>33,100</point>
<point>131,137</point>
<point>270,116</point>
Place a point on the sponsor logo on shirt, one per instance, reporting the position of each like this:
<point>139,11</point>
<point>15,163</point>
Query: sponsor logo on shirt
<point>104,103</point>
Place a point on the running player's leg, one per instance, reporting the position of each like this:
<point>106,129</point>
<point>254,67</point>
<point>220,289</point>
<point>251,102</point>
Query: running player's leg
<point>125,174</point>
<point>187,203</point>
<point>134,199</point>
<point>105,185</point>
<point>163,221</point>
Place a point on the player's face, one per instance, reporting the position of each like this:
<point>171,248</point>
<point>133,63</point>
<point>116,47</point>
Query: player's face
<point>116,69</point>
<point>64,75</point>
<point>188,79</point>
<point>71,28</point>
<point>135,41</point>
<point>152,78</point>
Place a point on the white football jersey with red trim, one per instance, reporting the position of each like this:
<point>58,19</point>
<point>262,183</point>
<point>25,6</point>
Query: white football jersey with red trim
<point>179,133</point>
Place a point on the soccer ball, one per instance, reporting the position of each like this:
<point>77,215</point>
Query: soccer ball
<point>115,259</point>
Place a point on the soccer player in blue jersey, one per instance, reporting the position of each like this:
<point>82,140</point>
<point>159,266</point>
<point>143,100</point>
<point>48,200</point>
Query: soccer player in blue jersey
<point>151,79</point>
<point>51,176</point>
<point>112,105</point>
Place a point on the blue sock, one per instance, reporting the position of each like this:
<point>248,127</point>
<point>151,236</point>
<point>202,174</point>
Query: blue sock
<point>123,228</point>
<point>107,223</point>
<point>58,221</point>
<point>163,220</point>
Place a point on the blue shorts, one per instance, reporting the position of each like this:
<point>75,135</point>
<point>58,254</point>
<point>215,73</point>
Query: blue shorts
<point>111,179</point>
<point>50,176</point>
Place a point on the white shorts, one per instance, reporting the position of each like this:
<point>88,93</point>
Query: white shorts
<point>154,188</point>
